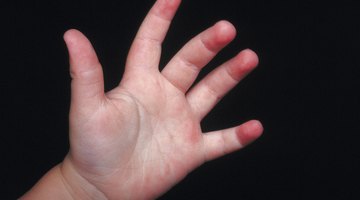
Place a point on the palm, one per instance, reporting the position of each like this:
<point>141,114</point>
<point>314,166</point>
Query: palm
<point>144,136</point>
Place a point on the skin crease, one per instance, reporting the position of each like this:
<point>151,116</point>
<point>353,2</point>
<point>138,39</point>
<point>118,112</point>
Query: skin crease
<point>144,136</point>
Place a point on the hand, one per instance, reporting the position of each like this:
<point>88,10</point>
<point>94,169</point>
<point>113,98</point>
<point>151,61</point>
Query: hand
<point>141,138</point>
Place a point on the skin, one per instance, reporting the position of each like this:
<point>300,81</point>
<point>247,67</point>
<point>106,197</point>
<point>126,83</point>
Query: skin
<point>144,136</point>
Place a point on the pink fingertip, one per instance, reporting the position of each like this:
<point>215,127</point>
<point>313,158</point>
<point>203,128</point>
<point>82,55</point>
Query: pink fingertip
<point>167,8</point>
<point>249,132</point>
<point>226,32</point>
<point>249,58</point>
<point>218,36</point>
<point>243,64</point>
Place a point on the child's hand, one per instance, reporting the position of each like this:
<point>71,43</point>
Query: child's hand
<point>144,136</point>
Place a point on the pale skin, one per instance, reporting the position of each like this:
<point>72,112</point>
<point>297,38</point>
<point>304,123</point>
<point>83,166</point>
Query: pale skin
<point>144,136</point>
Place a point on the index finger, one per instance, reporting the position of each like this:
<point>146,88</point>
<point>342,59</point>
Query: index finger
<point>146,48</point>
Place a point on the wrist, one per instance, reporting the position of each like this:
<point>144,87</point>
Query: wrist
<point>50,186</point>
<point>76,185</point>
<point>63,182</point>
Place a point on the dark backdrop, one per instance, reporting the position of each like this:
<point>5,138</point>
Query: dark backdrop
<point>305,92</point>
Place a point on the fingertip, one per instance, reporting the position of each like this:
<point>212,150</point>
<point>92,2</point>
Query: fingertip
<point>75,41</point>
<point>256,128</point>
<point>249,132</point>
<point>70,35</point>
<point>166,8</point>
<point>173,3</point>
<point>225,31</point>
<point>249,58</point>
<point>242,64</point>
<point>81,51</point>
<point>218,36</point>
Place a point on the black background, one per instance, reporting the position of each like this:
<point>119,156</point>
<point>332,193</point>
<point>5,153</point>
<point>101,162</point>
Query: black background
<point>305,91</point>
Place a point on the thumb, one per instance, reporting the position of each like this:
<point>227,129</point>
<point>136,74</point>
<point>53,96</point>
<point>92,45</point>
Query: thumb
<point>87,85</point>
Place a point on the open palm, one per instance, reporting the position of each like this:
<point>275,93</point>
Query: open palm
<point>144,136</point>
